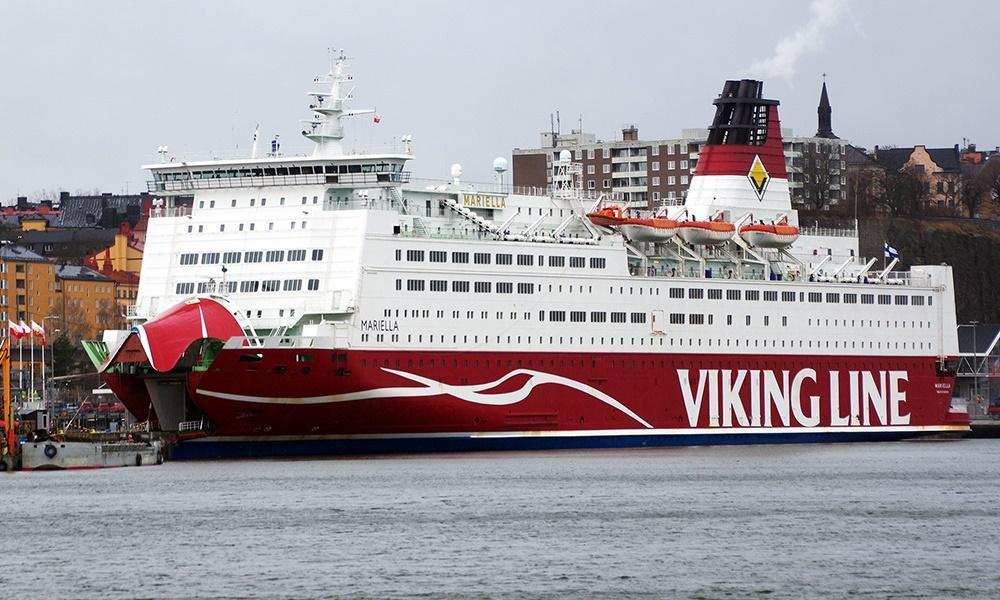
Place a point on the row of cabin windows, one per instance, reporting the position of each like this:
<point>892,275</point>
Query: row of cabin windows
<point>263,201</point>
<point>658,341</point>
<point>245,287</point>
<point>814,297</point>
<point>248,226</point>
<point>486,258</point>
<point>254,256</point>
<point>480,287</point>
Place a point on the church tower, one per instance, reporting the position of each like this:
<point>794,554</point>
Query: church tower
<point>825,126</point>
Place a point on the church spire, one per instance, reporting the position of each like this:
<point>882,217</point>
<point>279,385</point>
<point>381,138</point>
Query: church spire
<point>825,125</point>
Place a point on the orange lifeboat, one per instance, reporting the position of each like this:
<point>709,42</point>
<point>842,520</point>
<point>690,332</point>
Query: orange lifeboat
<point>610,216</point>
<point>706,233</point>
<point>656,229</point>
<point>775,235</point>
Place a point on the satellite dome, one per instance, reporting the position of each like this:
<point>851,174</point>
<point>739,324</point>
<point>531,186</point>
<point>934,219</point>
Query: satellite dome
<point>456,170</point>
<point>565,156</point>
<point>500,164</point>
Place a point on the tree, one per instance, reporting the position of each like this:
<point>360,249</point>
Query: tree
<point>971,191</point>
<point>861,185</point>
<point>820,172</point>
<point>901,193</point>
<point>988,180</point>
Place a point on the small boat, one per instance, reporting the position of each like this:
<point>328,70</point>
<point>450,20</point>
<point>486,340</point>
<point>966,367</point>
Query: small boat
<point>656,229</point>
<point>773,235</point>
<point>706,233</point>
<point>609,216</point>
<point>65,452</point>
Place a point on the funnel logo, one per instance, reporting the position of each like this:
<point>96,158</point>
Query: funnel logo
<point>758,177</point>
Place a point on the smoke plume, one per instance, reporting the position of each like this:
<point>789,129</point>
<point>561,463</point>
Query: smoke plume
<point>823,16</point>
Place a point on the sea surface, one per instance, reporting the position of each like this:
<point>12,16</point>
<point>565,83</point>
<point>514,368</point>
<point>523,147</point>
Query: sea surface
<point>887,520</point>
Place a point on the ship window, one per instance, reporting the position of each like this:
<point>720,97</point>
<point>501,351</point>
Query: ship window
<point>676,292</point>
<point>930,300</point>
<point>439,285</point>
<point>482,258</point>
<point>676,318</point>
<point>296,255</point>
<point>313,285</point>
<point>415,256</point>
<point>317,254</point>
<point>815,297</point>
<point>210,258</point>
<point>788,296</point>
<point>638,317</point>
<point>770,296</point>
<point>715,294</point>
<point>415,285</point>
<point>598,317</point>
<point>833,298</point>
<point>784,323</point>
<point>231,258</point>
<point>867,299</point>
<point>557,261</point>
<point>577,262</point>
<point>577,316</point>
<point>617,317</point>
<point>505,259</point>
<point>525,260</point>
<point>460,286</point>
<point>483,287</point>
<point>438,256</point>
<point>598,263</point>
<point>275,256</point>
<point>884,299</point>
<point>253,257</point>
<point>248,287</point>
<point>460,257</point>
<point>696,293</point>
<point>902,300</point>
<point>189,259</point>
<point>271,285</point>
<point>525,288</point>
<point>185,288</point>
<point>753,295</point>
<point>696,319</point>
<point>292,285</point>
<point>850,298</point>
<point>733,294</point>
<point>505,287</point>
<point>557,315</point>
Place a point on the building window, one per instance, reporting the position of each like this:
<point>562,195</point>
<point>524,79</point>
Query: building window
<point>656,165</point>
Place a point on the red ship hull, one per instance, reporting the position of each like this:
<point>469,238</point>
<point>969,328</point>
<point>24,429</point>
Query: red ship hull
<point>320,401</point>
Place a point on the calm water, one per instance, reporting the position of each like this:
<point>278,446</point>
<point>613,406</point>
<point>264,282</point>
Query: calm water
<point>902,520</point>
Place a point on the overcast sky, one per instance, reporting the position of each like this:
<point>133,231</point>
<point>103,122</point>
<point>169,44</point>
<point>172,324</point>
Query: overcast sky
<point>90,89</point>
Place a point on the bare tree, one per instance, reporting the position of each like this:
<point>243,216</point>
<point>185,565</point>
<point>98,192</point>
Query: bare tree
<point>988,180</point>
<point>901,193</point>
<point>820,172</point>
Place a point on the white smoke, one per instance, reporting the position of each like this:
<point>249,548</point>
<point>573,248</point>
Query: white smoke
<point>823,16</point>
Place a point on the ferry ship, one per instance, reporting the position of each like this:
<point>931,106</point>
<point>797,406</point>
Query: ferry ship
<point>327,304</point>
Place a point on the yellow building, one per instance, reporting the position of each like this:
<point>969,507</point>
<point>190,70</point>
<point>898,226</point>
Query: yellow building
<point>122,262</point>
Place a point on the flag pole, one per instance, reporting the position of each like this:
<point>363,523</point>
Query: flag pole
<point>31,386</point>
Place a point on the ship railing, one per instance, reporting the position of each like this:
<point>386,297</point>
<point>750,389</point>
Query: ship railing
<point>828,231</point>
<point>188,185</point>
<point>191,425</point>
<point>169,211</point>
<point>516,190</point>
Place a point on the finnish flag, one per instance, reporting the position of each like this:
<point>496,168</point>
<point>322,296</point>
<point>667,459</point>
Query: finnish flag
<point>890,252</point>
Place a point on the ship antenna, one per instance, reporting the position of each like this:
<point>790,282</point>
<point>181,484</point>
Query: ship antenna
<point>326,128</point>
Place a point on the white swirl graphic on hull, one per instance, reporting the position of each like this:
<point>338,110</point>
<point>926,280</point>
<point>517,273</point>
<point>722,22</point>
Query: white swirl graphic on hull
<point>468,393</point>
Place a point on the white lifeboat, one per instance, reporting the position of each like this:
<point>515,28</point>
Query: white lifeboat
<point>656,229</point>
<point>774,235</point>
<point>706,233</point>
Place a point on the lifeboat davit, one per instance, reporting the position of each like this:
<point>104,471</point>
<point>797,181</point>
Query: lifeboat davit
<point>610,216</point>
<point>706,233</point>
<point>656,229</point>
<point>775,235</point>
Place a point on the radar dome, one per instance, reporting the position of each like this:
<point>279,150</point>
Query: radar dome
<point>456,170</point>
<point>565,156</point>
<point>500,164</point>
